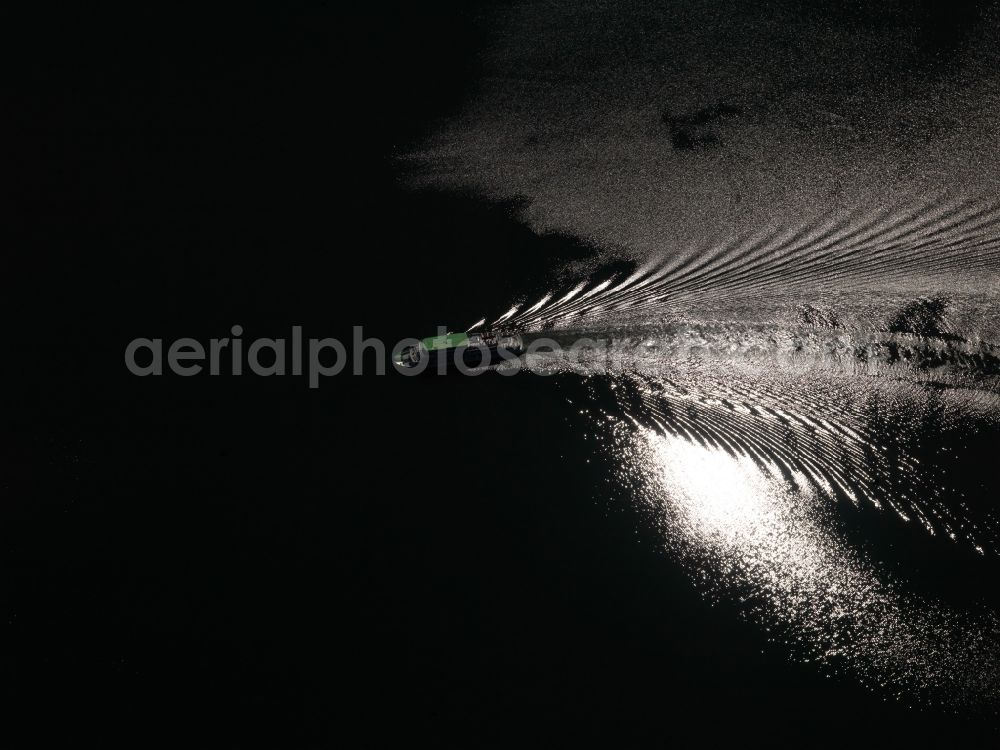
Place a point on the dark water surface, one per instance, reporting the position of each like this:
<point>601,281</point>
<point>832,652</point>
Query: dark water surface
<point>761,505</point>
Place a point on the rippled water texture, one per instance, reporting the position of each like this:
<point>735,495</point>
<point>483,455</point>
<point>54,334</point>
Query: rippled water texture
<point>806,346</point>
<point>747,421</point>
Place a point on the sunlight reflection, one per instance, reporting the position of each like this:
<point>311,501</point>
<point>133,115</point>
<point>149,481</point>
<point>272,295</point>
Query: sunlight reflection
<point>740,529</point>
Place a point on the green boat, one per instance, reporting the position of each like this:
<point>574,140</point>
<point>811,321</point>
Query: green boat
<point>481,349</point>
